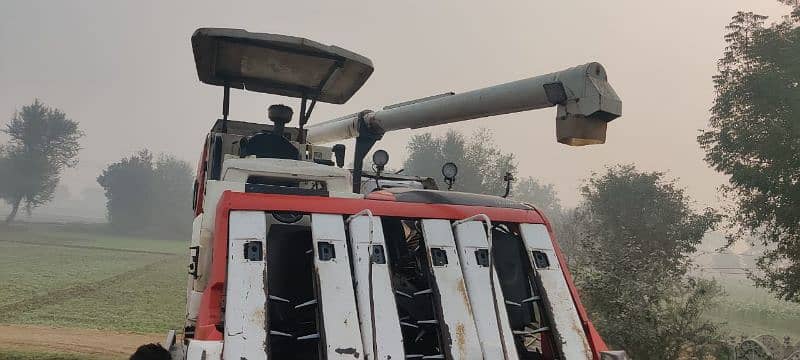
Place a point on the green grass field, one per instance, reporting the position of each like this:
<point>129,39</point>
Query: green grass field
<point>750,311</point>
<point>71,276</point>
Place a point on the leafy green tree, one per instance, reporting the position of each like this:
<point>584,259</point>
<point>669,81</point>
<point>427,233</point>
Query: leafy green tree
<point>481,165</point>
<point>754,138</point>
<point>43,141</point>
<point>148,196</point>
<point>637,230</point>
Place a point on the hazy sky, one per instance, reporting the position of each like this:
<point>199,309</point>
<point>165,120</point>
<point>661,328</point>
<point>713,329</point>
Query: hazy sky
<point>125,71</point>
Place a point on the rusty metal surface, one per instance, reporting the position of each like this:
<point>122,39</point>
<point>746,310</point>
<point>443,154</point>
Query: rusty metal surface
<point>341,329</point>
<point>245,313</point>
<point>456,311</point>
<point>566,325</point>
<point>374,292</point>
<point>490,315</point>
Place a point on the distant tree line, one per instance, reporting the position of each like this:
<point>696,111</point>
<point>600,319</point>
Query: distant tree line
<point>147,195</point>
<point>144,195</point>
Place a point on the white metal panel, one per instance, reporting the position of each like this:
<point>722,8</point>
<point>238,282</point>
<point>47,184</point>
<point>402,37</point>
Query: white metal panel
<point>239,170</point>
<point>246,300</point>
<point>341,332</point>
<point>453,298</point>
<point>214,190</point>
<point>388,335</point>
<point>196,224</point>
<point>566,324</point>
<point>193,305</point>
<point>204,350</point>
<point>470,238</point>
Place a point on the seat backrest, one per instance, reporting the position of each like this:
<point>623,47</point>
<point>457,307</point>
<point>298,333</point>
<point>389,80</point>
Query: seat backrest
<point>268,145</point>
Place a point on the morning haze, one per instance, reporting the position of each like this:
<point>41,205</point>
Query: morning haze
<point>630,247</point>
<point>126,73</point>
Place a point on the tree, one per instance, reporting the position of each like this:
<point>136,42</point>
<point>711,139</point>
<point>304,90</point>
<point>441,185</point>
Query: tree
<point>43,141</point>
<point>637,230</point>
<point>147,196</point>
<point>174,180</point>
<point>481,165</point>
<point>754,138</point>
<point>481,169</point>
<point>128,185</point>
<point>543,196</point>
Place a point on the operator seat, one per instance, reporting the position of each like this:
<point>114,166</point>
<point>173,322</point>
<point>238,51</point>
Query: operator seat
<point>271,144</point>
<point>268,145</point>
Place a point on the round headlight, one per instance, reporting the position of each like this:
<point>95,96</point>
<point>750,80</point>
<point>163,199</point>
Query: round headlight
<point>380,158</point>
<point>449,170</point>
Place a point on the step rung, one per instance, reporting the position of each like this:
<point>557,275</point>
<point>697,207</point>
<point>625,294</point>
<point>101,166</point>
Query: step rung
<point>423,292</point>
<point>307,303</point>
<point>280,333</point>
<point>277,298</point>
<point>541,329</point>
<point>398,292</point>
<point>309,337</point>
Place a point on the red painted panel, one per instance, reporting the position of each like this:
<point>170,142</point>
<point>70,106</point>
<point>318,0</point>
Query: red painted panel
<point>381,204</point>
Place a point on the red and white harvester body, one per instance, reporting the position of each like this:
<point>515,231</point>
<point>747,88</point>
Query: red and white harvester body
<point>294,257</point>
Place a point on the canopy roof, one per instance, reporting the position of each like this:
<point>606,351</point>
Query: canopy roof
<point>278,64</point>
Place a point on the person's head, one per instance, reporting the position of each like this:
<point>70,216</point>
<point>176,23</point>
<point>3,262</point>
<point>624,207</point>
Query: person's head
<point>151,352</point>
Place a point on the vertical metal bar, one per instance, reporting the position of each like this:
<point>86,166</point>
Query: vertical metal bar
<point>310,109</point>
<point>226,102</point>
<point>341,329</point>
<point>558,305</point>
<point>500,316</point>
<point>303,118</point>
<point>368,213</point>
<point>456,316</point>
<point>303,110</point>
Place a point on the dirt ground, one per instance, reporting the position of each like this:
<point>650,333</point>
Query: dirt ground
<point>97,343</point>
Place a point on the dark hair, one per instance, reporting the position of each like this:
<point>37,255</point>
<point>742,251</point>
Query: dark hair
<point>151,352</point>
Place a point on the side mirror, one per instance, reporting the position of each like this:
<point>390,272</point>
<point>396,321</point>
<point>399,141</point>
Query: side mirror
<point>614,355</point>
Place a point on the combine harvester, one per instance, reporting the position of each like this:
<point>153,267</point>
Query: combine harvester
<point>294,257</point>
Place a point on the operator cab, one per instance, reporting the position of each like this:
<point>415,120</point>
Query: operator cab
<point>273,64</point>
